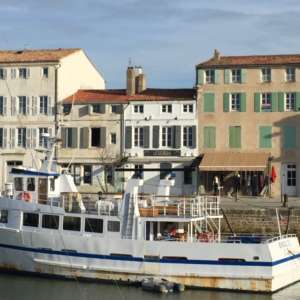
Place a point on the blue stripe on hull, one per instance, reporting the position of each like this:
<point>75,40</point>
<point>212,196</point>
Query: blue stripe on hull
<point>139,259</point>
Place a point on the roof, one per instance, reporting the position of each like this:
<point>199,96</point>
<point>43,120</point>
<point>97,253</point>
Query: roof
<point>120,96</point>
<point>37,55</point>
<point>234,161</point>
<point>251,60</point>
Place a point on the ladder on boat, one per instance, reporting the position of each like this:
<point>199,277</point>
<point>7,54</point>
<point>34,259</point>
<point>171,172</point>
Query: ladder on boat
<point>128,217</point>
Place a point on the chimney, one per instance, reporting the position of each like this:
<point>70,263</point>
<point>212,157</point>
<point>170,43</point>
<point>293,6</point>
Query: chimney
<point>140,83</point>
<point>217,54</point>
<point>136,80</point>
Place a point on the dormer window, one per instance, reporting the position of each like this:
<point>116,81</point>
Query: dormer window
<point>290,74</point>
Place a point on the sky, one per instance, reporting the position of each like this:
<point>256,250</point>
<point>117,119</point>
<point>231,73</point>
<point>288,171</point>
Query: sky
<point>166,37</point>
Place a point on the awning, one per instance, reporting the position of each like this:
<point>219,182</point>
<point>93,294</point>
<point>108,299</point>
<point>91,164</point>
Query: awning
<point>234,161</point>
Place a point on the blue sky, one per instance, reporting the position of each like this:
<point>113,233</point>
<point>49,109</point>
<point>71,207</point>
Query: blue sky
<point>167,37</point>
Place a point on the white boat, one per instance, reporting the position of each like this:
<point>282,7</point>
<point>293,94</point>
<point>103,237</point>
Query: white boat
<point>47,229</point>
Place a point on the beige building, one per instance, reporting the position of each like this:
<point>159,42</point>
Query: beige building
<point>92,140</point>
<point>249,123</point>
<point>32,82</point>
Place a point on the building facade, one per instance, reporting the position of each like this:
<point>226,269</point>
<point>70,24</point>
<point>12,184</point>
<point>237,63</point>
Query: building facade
<point>249,123</point>
<point>160,130</point>
<point>92,139</point>
<point>32,82</point>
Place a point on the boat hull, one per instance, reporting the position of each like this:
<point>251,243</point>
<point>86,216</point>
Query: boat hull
<point>20,255</point>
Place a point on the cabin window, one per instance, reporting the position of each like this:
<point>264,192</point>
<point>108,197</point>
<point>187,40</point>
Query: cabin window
<point>31,184</point>
<point>71,223</point>
<point>18,184</point>
<point>52,184</point>
<point>113,226</point>
<point>93,225</point>
<point>3,216</point>
<point>50,221</point>
<point>30,219</point>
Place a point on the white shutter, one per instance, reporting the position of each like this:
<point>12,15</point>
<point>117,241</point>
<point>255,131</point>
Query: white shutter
<point>4,138</point>
<point>50,109</point>
<point>27,73</point>
<point>4,106</point>
<point>33,137</point>
<point>13,73</point>
<point>13,106</point>
<point>28,137</point>
<point>33,106</point>
<point>12,138</point>
<point>4,73</point>
<point>27,106</point>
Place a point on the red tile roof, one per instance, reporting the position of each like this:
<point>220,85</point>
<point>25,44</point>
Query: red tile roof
<point>119,96</point>
<point>37,55</point>
<point>251,60</point>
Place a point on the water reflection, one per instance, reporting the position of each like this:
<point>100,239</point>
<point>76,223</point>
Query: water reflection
<point>28,288</point>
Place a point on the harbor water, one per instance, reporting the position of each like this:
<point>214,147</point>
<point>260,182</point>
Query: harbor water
<point>14,287</point>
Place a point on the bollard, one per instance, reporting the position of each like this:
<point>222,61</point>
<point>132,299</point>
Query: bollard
<point>285,200</point>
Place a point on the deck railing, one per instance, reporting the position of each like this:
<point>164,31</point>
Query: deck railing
<point>201,206</point>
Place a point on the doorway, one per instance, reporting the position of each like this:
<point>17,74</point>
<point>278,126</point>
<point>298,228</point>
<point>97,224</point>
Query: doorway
<point>289,179</point>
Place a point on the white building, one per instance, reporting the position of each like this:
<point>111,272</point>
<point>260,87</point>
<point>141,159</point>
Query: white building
<point>160,130</point>
<point>32,82</point>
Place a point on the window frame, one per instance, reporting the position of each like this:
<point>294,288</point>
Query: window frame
<point>101,227</point>
<point>69,226</point>
<point>45,74</point>
<point>44,105</point>
<point>264,99</point>
<point>235,102</point>
<point>87,179</point>
<point>210,76</point>
<point>166,136</point>
<point>166,108</point>
<point>110,226</point>
<point>23,73</point>
<point>21,137</point>
<point>113,138</point>
<point>266,75</point>
<point>290,76</point>
<point>56,224</point>
<point>22,105</point>
<point>138,137</point>
<point>236,75</point>
<point>290,102</point>
<point>138,108</point>
<point>43,141</point>
<point>188,136</point>
<point>35,223</point>
<point>188,108</point>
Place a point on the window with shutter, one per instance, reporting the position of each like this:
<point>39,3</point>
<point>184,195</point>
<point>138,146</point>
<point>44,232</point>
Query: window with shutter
<point>209,102</point>
<point>289,137</point>
<point>265,137</point>
<point>209,137</point>
<point>235,137</point>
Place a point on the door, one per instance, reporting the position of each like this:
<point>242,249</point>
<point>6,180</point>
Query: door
<point>289,179</point>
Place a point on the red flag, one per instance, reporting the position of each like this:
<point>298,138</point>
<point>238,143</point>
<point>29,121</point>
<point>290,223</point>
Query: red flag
<point>273,174</point>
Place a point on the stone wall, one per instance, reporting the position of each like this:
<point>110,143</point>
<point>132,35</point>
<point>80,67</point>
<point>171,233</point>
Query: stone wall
<point>262,221</point>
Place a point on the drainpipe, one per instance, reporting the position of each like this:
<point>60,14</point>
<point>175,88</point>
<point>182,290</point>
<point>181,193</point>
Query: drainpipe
<point>56,111</point>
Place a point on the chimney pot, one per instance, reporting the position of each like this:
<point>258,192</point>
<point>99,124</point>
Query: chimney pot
<point>217,54</point>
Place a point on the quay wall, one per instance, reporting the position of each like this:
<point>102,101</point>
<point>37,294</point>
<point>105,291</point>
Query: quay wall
<point>261,220</point>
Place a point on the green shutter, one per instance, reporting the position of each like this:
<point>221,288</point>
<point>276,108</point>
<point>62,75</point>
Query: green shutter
<point>209,137</point>
<point>226,102</point>
<point>235,137</point>
<point>227,76</point>
<point>289,137</point>
<point>265,137</point>
<point>274,100</point>
<point>298,101</point>
<point>280,101</point>
<point>257,105</point>
<point>243,102</point>
<point>217,76</point>
<point>200,76</point>
<point>209,102</point>
<point>244,75</point>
